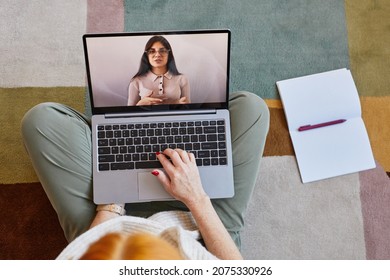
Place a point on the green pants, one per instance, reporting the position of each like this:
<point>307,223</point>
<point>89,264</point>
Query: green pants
<point>58,140</point>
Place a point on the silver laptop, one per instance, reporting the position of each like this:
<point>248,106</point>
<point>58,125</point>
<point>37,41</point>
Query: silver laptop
<point>155,90</point>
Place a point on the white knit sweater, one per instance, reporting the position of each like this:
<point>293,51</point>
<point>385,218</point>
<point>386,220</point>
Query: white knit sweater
<point>176,227</point>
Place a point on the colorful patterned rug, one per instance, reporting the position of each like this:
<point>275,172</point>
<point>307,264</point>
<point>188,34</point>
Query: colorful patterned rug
<point>347,217</point>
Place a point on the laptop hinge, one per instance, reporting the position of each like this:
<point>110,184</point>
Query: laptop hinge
<point>156,114</point>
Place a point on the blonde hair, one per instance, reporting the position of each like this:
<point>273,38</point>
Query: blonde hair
<point>140,246</point>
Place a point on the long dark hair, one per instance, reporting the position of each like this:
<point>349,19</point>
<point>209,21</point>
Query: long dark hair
<point>145,66</point>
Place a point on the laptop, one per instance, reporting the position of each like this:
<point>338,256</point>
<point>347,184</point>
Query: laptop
<point>155,90</point>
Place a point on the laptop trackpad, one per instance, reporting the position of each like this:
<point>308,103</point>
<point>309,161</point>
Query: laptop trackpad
<point>150,188</point>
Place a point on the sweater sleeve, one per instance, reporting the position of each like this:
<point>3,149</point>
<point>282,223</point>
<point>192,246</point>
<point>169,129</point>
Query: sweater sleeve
<point>133,96</point>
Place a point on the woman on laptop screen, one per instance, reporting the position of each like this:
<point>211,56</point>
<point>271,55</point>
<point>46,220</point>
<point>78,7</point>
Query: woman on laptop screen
<point>158,81</point>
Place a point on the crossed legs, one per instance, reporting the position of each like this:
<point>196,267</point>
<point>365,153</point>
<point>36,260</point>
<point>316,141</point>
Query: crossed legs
<point>58,141</point>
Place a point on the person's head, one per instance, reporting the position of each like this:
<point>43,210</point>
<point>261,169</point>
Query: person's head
<point>158,53</point>
<point>120,246</point>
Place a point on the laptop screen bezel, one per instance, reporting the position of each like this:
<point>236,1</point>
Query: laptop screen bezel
<point>156,108</point>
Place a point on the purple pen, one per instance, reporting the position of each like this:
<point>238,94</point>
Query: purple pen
<point>308,127</point>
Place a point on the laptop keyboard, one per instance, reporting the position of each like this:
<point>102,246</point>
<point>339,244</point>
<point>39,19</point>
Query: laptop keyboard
<point>134,146</point>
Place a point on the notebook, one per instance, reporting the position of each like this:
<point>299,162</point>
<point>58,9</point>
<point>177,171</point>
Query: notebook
<point>325,123</point>
<point>155,90</point>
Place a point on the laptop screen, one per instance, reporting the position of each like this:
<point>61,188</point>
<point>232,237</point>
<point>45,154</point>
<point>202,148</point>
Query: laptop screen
<point>130,72</point>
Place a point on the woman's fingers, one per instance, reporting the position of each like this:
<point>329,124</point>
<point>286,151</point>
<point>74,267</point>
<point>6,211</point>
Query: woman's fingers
<point>162,177</point>
<point>191,156</point>
<point>153,100</point>
<point>165,162</point>
<point>183,155</point>
<point>181,177</point>
<point>177,156</point>
<point>183,100</point>
<point>149,101</point>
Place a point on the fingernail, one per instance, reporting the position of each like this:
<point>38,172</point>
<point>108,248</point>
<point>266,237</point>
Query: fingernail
<point>157,153</point>
<point>155,173</point>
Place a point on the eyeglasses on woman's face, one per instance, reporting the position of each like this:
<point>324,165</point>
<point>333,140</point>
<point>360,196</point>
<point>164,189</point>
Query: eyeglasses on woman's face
<point>153,52</point>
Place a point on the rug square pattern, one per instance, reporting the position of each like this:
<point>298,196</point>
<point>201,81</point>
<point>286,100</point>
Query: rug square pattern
<point>43,45</point>
<point>272,40</point>
<point>291,220</point>
<point>16,166</point>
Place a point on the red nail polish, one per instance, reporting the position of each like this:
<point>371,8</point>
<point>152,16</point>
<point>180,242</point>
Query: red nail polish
<point>157,153</point>
<point>155,173</point>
